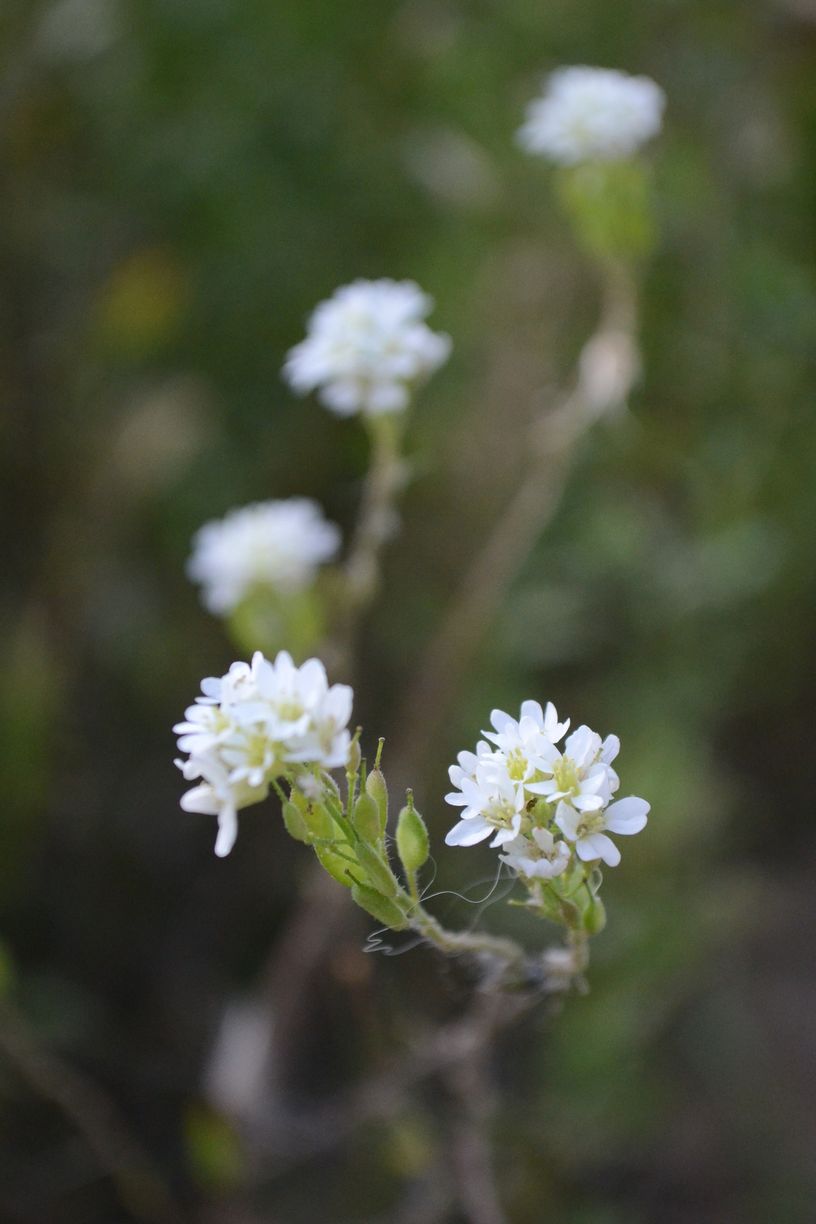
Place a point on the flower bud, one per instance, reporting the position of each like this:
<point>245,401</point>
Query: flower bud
<point>377,789</point>
<point>366,819</point>
<point>380,907</point>
<point>412,838</point>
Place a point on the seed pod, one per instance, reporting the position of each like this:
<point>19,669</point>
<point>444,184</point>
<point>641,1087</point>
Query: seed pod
<point>295,824</point>
<point>337,866</point>
<point>375,867</point>
<point>376,787</point>
<point>366,820</point>
<point>412,838</point>
<point>380,907</point>
<point>354,757</point>
<point>318,821</point>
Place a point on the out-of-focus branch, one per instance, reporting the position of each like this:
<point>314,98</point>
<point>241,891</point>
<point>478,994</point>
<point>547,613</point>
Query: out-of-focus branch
<point>471,1150</point>
<point>139,1185</point>
<point>292,1136</point>
<point>607,369</point>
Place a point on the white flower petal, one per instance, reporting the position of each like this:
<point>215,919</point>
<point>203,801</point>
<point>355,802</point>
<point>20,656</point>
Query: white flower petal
<point>627,815</point>
<point>468,833</point>
<point>598,846</point>
<point>588,803</point>
<point>227,831</point>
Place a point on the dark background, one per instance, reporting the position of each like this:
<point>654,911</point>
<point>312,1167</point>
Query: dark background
<point>182,181</point>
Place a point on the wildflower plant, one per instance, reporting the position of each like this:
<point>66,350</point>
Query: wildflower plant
<point>545,797</point>
<point>271,726</point>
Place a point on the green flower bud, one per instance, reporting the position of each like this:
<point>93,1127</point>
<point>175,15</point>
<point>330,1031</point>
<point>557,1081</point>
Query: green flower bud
<point>366,819</point>
<point>377,870</point>
<point>295,824</point>
<point>412,838</point>
<point>380,907</point>
<point>377,789</point>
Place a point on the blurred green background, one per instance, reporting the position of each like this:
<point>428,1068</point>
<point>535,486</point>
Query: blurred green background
<point>182,181</point>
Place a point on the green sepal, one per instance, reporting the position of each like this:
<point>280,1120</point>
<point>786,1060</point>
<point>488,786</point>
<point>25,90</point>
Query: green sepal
<point>295,824</point>
<point>412,839</point>
<point>380,907</point>
<point>377,870</point>
<point>366,820</point>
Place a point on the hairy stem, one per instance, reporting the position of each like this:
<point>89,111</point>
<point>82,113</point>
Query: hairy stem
<point>385,479</point>
<point>457,942</point>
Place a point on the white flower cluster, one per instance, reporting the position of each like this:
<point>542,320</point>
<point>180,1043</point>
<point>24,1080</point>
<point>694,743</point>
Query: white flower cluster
<point>367,347</point>
<point>538,803</point>
<point>277,544</point>
<point>259,722</point>
<point>592,114</point>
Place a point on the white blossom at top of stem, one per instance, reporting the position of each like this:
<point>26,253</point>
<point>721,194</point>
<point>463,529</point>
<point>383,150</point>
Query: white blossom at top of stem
<point>588,830</point>
<point>277,544</point>
<point>592,114</point>
<point>259,722</point>
<point>367,347</point>
<point>543,805</point>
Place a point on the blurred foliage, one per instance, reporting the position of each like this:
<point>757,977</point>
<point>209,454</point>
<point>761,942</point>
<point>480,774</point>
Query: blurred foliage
<point>182,182</point>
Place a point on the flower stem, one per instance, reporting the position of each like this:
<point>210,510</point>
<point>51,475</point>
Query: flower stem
<point>454,942</point>
<point>385,478</point>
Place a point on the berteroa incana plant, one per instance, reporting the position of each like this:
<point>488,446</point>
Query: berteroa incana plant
<point>545,796</point>
<point>274,726</point>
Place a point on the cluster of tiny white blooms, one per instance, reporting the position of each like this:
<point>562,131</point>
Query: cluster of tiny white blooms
<point>367,347</point>
<point>259,722</point>
<point>539,803</point>
<point>592,114</point>
<point>277,544</point>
